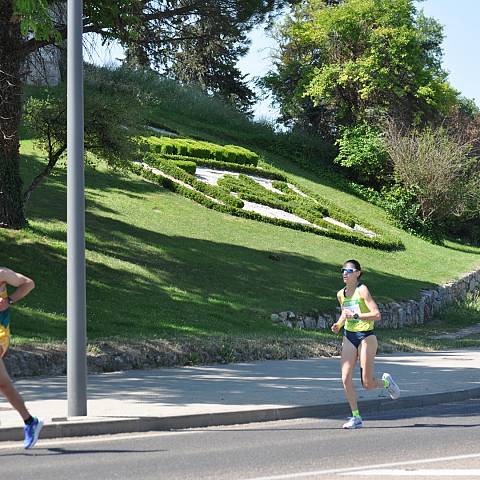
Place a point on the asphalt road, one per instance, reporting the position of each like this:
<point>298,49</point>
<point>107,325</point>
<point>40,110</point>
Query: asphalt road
<point>431,442</point>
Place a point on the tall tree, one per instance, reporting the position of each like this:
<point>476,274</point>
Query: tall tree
<point>207,56</point>
<point>202,50</point>
<point>358,60</point>
<point>12,57</point>
<point>25,26</point>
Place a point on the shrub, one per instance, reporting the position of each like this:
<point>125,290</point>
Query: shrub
<point>402,205</point>
<point>188,166</point>
<point>362,151</point>
<point>200,149</point>
<point>435,176</point>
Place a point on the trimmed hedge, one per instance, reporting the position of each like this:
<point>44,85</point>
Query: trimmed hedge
<point>200,149</point>
<point>338,213</point>
<point>248,189</point>
<point>188,166</point>
<point>219,165</point>
<point>332,210</point>
<point>170,168</point>
<point>384,242</point>
<point>283,187</point>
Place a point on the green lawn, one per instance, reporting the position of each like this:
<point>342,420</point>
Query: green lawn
<point>160,265</point>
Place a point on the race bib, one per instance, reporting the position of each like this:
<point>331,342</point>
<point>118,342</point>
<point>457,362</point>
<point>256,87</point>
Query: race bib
<point>353,306</point>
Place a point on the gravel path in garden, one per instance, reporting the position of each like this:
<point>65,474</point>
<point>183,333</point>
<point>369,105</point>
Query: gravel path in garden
<point>276,213</point>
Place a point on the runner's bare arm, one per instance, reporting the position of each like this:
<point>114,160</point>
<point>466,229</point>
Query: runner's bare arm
<point>23,284</point>
<point>343,316</point>
<point>374,313</point>
<point>341,321</point>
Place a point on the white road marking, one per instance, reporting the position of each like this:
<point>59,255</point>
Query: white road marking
<point>289,476</point>
<point>104,438</point>
<point>420,473</point>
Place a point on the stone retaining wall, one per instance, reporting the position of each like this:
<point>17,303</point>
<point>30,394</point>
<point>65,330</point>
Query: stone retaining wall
<point>394,314</point>
<point>28,360</point>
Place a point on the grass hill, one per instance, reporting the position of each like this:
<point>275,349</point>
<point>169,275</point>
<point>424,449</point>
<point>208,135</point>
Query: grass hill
<point>161,265</point>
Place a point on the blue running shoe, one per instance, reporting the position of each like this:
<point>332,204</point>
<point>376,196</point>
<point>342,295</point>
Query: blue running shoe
<point>32,433</point>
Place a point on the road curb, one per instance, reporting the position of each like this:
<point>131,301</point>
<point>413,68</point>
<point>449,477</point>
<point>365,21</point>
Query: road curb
<point>108,426</point>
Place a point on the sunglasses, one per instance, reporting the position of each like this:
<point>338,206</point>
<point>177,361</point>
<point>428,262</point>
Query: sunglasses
<point>348,270</point>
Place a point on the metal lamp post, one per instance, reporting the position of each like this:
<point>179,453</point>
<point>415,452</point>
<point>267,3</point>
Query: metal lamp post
<point>76,277</point>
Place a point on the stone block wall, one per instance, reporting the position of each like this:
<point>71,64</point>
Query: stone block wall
<point>394,314</point>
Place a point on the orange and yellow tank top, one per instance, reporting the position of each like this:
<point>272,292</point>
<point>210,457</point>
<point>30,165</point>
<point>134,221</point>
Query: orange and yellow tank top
<point>356,304</point>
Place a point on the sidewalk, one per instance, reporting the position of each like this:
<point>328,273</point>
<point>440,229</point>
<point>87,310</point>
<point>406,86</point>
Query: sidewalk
<point>187,397</point>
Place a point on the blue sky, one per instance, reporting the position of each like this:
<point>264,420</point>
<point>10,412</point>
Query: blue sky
<point>460,20</point>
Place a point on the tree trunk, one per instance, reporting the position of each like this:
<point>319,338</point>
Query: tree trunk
<point>11,64</point>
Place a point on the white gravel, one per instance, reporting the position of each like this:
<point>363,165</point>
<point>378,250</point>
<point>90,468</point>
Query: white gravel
<point>276,213</point>
<point>336,222</point>
<point>297,190</point>
<point>161,131</point>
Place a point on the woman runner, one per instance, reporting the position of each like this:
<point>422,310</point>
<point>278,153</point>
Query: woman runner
<point>359,314</point>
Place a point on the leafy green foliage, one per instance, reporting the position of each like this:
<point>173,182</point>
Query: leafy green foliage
<point>362,152</point>
<point>402,205</point>
<point>35,17</point>
<point>186,165</point>
<point>107,120</point>
<point>359,61</point>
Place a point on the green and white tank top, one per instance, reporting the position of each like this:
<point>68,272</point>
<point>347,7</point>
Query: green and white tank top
<point>356,304</point>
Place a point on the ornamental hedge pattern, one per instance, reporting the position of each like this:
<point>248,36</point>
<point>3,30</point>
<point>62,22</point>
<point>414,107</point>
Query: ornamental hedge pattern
<point>179,158</point>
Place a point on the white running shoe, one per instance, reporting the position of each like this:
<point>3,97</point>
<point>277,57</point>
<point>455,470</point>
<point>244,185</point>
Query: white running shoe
<point>392,389</point>
<point>353,422</point>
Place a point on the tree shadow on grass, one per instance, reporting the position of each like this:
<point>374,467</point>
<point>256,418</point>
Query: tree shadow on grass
<point>464,248</point>
<point>142,282</point>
